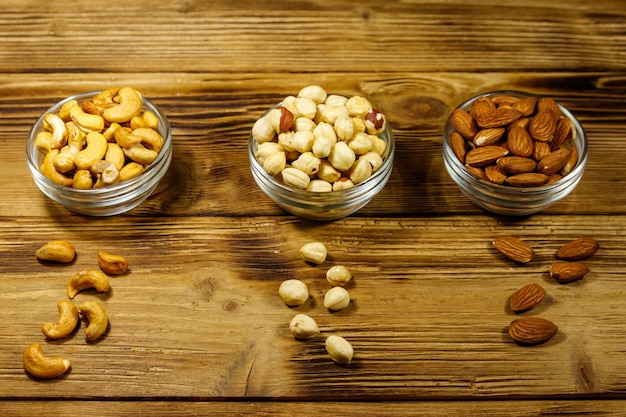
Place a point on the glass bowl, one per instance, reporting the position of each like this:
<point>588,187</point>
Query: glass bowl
<point>509,200</point>
<point>327,205</point>
<point>111,199</point>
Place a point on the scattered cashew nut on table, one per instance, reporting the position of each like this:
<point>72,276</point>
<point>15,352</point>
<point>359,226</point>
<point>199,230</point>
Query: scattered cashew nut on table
<point>40,366</point>
<point>88,278</point>
<point>97,317</point>
<point>66,323</point>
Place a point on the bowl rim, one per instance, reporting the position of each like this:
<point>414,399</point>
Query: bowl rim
<point>32,153</point>
<point>325,195</point>
<point>507,189</point>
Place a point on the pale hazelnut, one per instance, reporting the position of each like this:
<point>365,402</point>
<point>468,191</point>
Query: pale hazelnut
<point>265,149</point>
<point>358,106</point>
<point>336,100</point>
<point>302,141</point>
<point>307,163</point>
<point>322,146</point>
<point>378,145</point>
<point>319,186</point>
<point>293,292</point>
<point>375,160</point>
<point>339,349</point>
<point>302,123</point>
<point>303,327</point>
<point>360,171</point>
<point>262,130</point>
<point>338,275</point>
<point>342,183</point>
<point>314,252</point>
<point>305,107</point>
<point>361,143</point>
<point>330,113</point>
<point>341,156</point>
<point>313,92</point>
<point>344,126</point>
<point>328,172</point>
<point>275,163</point>
<point>295,178</point>
<point>337,298</point>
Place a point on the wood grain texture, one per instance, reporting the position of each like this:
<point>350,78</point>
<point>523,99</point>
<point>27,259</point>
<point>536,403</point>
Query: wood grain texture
<point>197,326</point>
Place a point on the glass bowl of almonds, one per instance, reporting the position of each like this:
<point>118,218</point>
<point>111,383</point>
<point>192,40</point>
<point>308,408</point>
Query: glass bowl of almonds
<point>514,153</point>
<point>321,156</point>
<point>100,153</point>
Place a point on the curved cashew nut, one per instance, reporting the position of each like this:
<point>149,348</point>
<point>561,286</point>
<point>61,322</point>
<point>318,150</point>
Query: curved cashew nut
<point>43,140</point>
<point>88,278</point>
<point>125,138</point>
<point>106,172</point>
<point>86,122</point>
<point>75,137</point>
<point>95,151</point>
<point>82,180</point>
<point>64,111</point>
<point>112,264</point>
<point>64,160</point>
<point>150,138</point>
<point>97,317</point>
<point>104,99</point>
<point>141,154</point>
<point>50,171</point>
<point>66,323</point>
<point>130,170</point>
<point>41,366</point>
<point>59,131</point>
<point>130,105</point>
<point>115,155</point>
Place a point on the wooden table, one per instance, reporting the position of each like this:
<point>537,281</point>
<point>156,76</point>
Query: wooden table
<point>197,326</point>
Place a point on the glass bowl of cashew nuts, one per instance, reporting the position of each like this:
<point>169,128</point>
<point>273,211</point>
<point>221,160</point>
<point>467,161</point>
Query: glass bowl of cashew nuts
<point>100,153</point>
<point>321,156</point>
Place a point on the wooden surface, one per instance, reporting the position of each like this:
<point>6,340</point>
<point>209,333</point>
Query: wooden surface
<point>197,327</point>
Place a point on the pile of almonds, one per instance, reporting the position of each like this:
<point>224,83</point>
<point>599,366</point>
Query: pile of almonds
<point>536,330</point>
<point>516,141</point>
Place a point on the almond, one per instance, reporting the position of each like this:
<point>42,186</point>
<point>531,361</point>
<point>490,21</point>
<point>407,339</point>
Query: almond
<point>520,142</point>
<point>498,118</point>
<point>532,330</point>
<point>578,249</point>
<point>526,105</point>
<point>541,150</point>
<point>565,272</point>
<point>526,297</point>
<point>477,172</point>
<point>554,161</point>
<point>457,143</point>
<point>564,133</point>
<point>514,248</point>
<point>504,100</point>
<point>480,106</point>
<point>546,103</point>
<point>485,155</point>
<point>487,137</point>
<point>543,126</point>
<point>571,162</point>
<point>513,165</point>
<point>495,174</point>
<point>463,123</point>
<point>529,179</point>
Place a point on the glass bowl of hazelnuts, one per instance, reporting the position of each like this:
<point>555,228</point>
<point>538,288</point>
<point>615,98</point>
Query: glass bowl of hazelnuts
<point>514,153</point>
<point>321,156</point>
<point>100,153</point>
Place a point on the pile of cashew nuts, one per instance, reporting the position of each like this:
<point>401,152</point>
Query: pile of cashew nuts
<point>34,361</point>
<point>99,142</point>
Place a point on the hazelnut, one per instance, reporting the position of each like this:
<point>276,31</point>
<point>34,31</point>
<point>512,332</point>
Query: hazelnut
<point>293,292</point>
<point>338,275</point>
<point>337,298</point>
<point>303,327</point>
<point>314,252</point>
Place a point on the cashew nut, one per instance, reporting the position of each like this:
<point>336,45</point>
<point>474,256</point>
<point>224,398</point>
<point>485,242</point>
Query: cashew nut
<point>82,180</point>
<point>130,170</point>
<point>97,317</point>
<point>50,172</point>
<point>88,278</point>
<point>150,138</point>
<point>109,133</point>
<point>141,154</point>
<point>75,136</point>
<point>125,138</point>
<point>59,131</point>
<point>43,141</point>
<point>85,121</point>
<point>57,251</point>
<point>66,323</point>
<point>107,174</point>
<point>94,151</point>
<point>64,160</point>
<point>130,105</point>
<point>64,111</point>
<point>115,155</point>
<point>112,264</point>
<point>40,366</point>
<point>104,99</point>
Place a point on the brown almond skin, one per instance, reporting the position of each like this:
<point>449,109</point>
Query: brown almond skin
<point>566,272</point>
<point>554,161</point>
<point>463,123</point>
<point>498,118</point>
<point>457,142</point>
<point>485,155</point>
<point>564,133</point>
<point>526,298</point>
<point>529,179</point>
<point>526,105</point>
<point>532,330</point>
<point>514,165</point>
<point>520,142</point>
<point>514,249</point>
<point>543,126</point>
<point>578,249</point>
